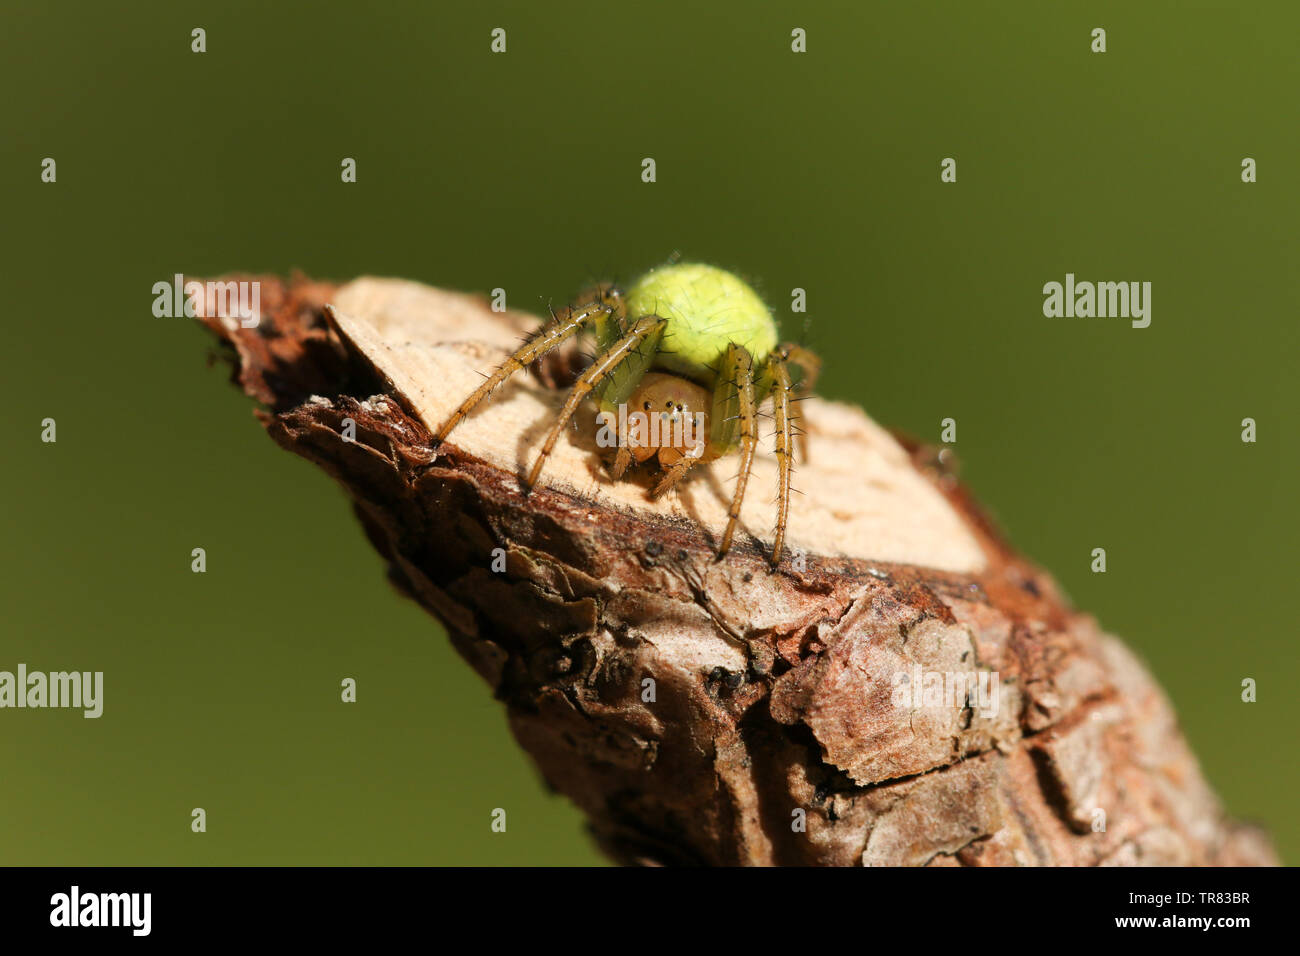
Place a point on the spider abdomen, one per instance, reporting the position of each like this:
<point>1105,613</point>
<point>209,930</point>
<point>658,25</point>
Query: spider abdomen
<point>707,309</point>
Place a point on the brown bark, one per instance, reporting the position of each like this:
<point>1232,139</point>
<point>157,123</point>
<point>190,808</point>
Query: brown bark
<point>773,693</point>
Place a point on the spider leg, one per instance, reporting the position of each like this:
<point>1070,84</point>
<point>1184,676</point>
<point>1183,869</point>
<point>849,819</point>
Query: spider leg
<point>674,474</point>
<point>567,324</point>
<point>810,364</point>
<point>739,422</point>
<point>622,459</point>
<point>805,360</point>
<point>611,388</point>
<point>645,331</point>
<point>778,374</point>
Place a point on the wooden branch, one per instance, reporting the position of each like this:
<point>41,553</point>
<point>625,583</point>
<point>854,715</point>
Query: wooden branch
<point>714,712</point>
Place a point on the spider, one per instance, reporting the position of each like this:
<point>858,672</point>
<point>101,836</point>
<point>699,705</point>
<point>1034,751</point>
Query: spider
<point>684,357</point>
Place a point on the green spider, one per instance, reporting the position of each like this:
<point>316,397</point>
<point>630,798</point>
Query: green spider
<point>691,351</point>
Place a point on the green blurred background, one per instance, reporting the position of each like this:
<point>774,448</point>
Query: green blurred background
<point>522,170</point>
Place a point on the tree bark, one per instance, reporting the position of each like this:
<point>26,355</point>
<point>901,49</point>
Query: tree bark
<point>714,712</point>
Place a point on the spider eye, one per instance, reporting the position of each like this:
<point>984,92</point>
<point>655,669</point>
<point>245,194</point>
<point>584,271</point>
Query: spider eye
<point>668,404</point>
<point>647,406</point>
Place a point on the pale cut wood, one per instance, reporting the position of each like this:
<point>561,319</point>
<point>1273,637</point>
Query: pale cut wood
<point>861,495</point>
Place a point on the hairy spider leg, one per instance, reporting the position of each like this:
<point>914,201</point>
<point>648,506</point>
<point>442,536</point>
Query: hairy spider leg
<point>644,334</point>
<point>810,365</point>
<point>776,378</point>
<point>623,457</point>
<point>737,425</point>
<point>565,325</point>
<point>677,471</point>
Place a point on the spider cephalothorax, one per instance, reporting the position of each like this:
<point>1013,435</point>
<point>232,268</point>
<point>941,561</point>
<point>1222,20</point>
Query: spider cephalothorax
<point>666,418</point>
<point>683,359</point>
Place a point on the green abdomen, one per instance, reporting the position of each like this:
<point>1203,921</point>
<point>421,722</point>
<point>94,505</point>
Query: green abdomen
<point>707,309</point>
